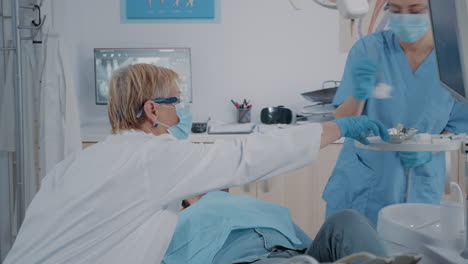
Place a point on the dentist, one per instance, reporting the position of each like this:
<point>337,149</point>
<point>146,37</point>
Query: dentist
<point>118,201</point>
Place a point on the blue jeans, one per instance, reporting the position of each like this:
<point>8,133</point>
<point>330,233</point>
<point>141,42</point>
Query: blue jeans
<point>343,234</point>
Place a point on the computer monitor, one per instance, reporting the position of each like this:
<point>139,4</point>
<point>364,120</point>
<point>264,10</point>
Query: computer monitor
<point>450,24</point>
<point>107,61</point>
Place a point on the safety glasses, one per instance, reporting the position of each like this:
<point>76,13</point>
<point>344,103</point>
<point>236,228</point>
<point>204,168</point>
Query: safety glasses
<point>169,100</point>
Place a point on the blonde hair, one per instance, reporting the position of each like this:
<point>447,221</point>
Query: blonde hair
<point>130,87</point>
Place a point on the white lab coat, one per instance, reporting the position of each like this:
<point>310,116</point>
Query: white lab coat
<point>7,105</point>
<point>31,88</point>
<point>59,135</point>
<point>118,201</point>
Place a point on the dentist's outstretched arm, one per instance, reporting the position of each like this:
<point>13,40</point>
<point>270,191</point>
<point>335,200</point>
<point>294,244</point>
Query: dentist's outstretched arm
<point>200,168</point>
<point>352,127</point>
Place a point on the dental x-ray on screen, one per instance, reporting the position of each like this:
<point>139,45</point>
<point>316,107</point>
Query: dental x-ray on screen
<point>108,60</point>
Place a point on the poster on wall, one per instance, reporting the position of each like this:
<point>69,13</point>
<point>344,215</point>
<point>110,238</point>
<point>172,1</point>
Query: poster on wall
<point>170,9</point>
<point>375,20</point>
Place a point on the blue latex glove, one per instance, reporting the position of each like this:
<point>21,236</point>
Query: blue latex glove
<point>414,159</point>
<point>364,78</point>
<point>358,128</point>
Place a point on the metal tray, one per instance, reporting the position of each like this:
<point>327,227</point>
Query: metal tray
<point>324,95</point>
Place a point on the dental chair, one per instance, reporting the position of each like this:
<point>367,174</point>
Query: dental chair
<point>365,257</point>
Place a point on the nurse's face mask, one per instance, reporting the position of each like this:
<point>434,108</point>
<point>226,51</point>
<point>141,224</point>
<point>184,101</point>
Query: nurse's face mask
<point>409,24</point>
<point>182,129</point>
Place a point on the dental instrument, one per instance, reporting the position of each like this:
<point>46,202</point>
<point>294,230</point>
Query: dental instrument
<point>400,134</point>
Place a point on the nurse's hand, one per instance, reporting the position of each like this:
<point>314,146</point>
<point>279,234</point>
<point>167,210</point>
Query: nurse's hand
<point>358,128</point>
<point>414,159</point>
<point>364,76</point>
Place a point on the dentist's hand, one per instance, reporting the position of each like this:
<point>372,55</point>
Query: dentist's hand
<point>414,159</point>
<point>364,78</point>
<point>358,127</point>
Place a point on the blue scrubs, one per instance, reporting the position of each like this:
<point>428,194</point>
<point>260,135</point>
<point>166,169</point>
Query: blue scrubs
<point>367,180</point>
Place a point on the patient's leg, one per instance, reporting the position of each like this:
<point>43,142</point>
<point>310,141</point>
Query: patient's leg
<point>345,233</point>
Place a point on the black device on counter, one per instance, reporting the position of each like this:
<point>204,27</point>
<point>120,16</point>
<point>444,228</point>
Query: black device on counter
<point>276,115</point>
<point>199,127</point>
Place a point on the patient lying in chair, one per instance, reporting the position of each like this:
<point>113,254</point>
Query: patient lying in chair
<point>223,228</point>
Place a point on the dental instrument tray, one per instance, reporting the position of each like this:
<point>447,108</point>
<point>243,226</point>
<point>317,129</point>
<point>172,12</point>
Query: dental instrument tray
<point>400,134</point>
<point>435,143</point>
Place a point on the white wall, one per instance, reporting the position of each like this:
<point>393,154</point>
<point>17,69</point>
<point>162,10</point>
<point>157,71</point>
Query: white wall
<point>263,50</point>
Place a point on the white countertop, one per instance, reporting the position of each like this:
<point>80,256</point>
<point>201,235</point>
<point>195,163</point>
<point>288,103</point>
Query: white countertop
<point>97,135</point>
<point>206,138</point>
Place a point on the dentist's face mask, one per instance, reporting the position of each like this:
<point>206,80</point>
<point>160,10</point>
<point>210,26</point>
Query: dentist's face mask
<point>182,129</point>
<point>409,28</point>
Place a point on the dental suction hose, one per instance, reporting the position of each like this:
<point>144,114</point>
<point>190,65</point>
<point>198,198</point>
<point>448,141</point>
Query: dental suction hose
<point>464,254</point>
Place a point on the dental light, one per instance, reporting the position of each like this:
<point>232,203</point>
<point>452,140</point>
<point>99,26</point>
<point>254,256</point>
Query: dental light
<point>349,9</point>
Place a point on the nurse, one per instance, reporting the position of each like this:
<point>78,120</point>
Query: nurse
<point>118,201</point>
<point>404,59</point>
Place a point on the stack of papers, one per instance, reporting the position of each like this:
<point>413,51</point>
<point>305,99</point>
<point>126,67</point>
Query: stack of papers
<point>231,128</point>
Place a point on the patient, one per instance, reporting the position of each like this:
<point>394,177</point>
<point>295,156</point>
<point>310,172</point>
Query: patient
<point>223,228</point>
